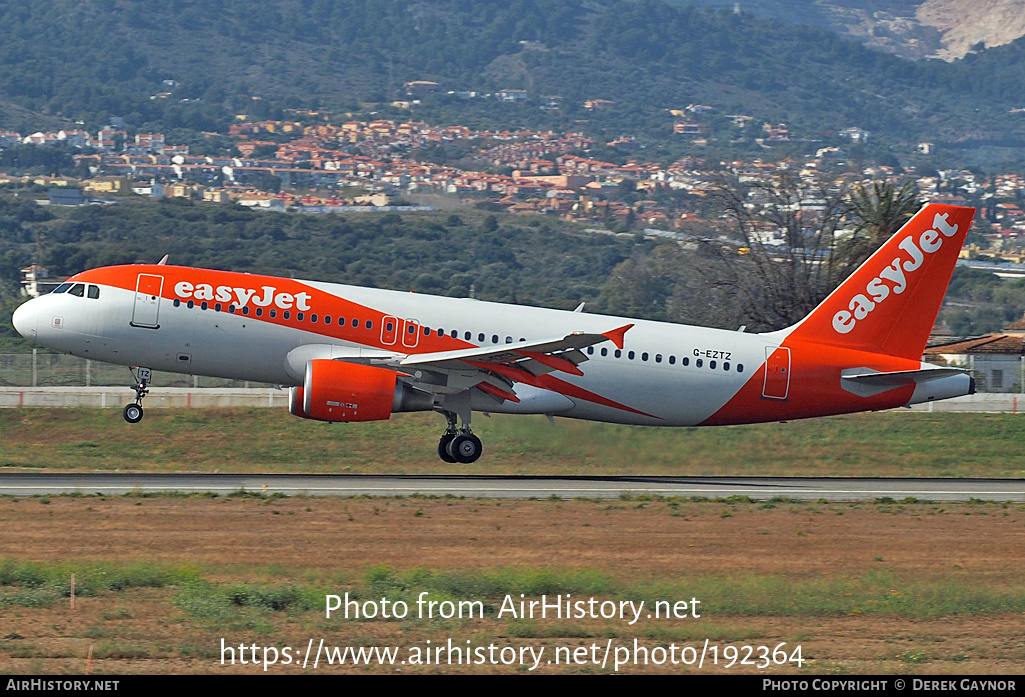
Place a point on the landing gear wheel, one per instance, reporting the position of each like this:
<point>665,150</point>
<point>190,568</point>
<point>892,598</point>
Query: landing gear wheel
<point>133,413</point>
<point>465,448</point>
<point>443,447</point>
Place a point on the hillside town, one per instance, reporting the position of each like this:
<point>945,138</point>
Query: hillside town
<point>316,164</point>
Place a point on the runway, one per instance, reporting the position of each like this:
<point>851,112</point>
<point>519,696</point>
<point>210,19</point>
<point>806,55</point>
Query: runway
<point>516,487</point>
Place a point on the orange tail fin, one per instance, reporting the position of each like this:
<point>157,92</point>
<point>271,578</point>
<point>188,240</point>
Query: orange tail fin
<point>889,304</point>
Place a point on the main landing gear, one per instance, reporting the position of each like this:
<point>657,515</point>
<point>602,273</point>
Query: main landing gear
<point>133,412</point>
<point>459,445</point>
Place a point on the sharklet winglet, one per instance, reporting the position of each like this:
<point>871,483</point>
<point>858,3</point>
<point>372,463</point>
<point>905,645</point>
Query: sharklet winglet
<point>616,335</point>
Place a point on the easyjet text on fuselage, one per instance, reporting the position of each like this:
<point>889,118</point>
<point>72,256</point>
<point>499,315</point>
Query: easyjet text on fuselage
<point>264,297</point>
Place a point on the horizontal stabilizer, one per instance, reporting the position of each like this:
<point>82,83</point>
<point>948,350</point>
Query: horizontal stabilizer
<point>866,382</point>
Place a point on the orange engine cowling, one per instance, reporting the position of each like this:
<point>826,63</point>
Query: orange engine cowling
<point>296,400</point>
<point>339,391</point>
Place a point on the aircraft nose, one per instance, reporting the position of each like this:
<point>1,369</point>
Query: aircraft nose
<point>24,320</point>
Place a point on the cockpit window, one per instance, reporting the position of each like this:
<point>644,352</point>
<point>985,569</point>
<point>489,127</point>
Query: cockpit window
<point>62,288</point>
<point>94,292</point>
<point>78,289</point>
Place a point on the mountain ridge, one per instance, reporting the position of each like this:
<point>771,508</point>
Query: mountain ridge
<point>944,29</point>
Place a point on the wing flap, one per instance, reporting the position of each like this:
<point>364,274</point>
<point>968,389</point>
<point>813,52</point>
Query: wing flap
<point>535,357</point>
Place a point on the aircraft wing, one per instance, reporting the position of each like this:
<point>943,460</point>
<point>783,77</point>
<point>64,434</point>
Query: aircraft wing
<point>533,357</point>
<point>492,369</point>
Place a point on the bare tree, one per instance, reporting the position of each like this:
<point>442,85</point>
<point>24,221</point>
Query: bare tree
<point>781,258</point>
<point>793,241</point>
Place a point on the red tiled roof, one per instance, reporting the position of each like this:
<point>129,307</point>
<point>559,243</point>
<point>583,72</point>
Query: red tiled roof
<point>990,343</point>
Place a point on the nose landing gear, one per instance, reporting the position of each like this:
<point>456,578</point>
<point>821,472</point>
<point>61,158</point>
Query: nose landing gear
<point>133,412</point>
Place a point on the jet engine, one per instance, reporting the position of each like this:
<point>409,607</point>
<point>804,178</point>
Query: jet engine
<point>340,391</point>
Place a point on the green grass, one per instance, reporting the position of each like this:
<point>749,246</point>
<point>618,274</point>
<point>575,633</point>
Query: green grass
<point>254,604</point>
<point>30,584</point>
<point>269,440</point>
<point>276,604</point>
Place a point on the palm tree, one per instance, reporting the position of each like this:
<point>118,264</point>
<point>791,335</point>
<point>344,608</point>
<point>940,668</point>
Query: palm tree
<point>880,210</point>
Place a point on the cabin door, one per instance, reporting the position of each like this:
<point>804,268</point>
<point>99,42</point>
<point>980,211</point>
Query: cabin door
<point>777,372</point>
<point>147,301</point>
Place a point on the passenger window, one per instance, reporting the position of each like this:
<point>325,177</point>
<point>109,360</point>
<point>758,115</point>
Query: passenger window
<point>725,366</point>
<point>604,352</point>
<point>711,364</point>
<point>631,355</point>
<point>259,312</point>
<point>480,338</point>
<point>672,360</point>
<point>740,367</point>
<point>698,363</point>
<point>286,314</point>
<point>94,292</point>
<point>467,336</point>
<point>313,318</point>
<point>644,356</point>
<point>78,290</point>
<point>299,317</point>
<point>590,350</point>
<point>619,353</point>
<point>370,324</point>
<point>327,319</point>
<point>685,361</point>
<point>658,357</point>
<point>494,338</point>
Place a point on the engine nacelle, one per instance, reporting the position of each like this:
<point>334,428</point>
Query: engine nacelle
<point>340,391</point>
<point>296,400</point>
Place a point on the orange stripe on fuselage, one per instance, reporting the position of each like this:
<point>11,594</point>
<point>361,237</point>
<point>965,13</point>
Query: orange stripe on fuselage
<point>319,303</point>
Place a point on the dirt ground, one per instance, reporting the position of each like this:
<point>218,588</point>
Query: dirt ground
<point>300,539</point>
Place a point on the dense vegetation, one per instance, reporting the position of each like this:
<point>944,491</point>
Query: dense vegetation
<point>646,56</point>
<point>979,302</point>
<point>505,258</point>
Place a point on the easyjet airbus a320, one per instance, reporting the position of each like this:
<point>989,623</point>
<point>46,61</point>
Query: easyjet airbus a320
<point>359,354</point>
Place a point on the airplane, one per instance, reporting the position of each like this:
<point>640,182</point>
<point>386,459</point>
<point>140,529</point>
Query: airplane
<point>352,354</point>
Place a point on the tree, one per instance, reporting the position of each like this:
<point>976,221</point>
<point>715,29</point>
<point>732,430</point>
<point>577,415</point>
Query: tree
<point>790,242</point>
<point>880,210</point>
<point>777,255</point>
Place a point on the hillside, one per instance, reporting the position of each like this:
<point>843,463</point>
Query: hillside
<point>256,57</point>
<point>946,29</point>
